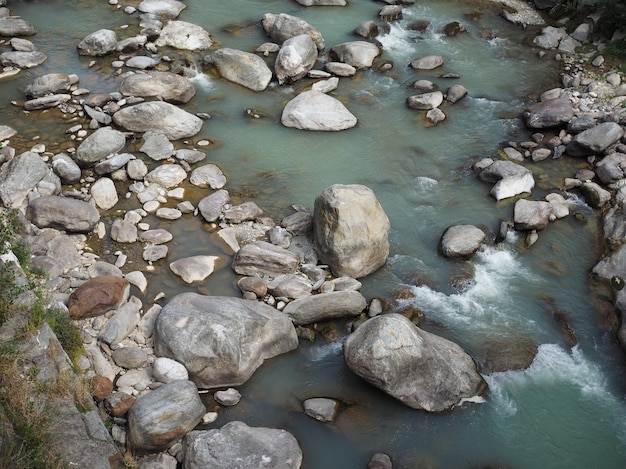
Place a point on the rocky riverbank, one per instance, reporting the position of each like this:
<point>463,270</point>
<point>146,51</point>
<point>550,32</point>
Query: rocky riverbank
<point>146,358</point>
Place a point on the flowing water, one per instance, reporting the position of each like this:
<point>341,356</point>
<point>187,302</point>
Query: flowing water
<point>567,409</point>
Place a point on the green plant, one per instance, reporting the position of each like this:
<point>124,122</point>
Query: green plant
<point>9,242</point>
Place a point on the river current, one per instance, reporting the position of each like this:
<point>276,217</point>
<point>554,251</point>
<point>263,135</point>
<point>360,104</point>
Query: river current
<point>567,409</point>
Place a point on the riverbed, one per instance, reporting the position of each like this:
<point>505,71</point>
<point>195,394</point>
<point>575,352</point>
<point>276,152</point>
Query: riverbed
<point>567,409</point>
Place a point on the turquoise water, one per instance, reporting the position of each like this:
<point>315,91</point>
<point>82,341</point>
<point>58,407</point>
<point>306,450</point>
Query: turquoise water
<point>567,409</point>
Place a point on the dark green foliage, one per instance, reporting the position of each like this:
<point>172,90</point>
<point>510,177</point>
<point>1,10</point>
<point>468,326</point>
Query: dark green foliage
<point>9,242</point>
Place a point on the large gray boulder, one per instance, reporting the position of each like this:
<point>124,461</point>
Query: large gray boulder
<point>359,54</point>
<point>159,117</point>
<point>245,69</point>
<point>63,213</point>
<point>238,446</point>
<point>46,102</point>
<point>22,59</point>
<point>19,176</point>
<point>425,101</point>
<point>11,26</point>
<point>611,168</point>
<point>50,83</point>
<point>168,86</point>
<point>418,368</point>
<point>429,62</point>
<point>548,113</point>
<point>461,241</point>
<point>312,110</point>
<point>183,35</point>
<point>100,144</point>
<point>594,140</point>
<point>159,418</point>
<point>325,306</point>
<point>351,230</point>
<point>264,259</point>
<point>221,340</point>
<point>283,26</point>
<point>295,58</point>
<point>98,43</point>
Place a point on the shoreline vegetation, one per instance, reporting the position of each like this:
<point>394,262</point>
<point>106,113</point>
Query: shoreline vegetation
<point>33,395</point>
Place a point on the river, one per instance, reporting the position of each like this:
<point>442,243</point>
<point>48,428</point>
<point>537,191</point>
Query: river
<point>567,409</point>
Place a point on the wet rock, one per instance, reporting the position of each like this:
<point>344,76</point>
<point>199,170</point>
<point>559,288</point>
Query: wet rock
<point>19,176</point>
<point>22,59</point>
<point>429,62</point>
<point>560,208</point>
<point>212,205</point>
<point>51,83</point>
<point>282,26</point>
<point>531,215</point>
<point>506,353</point>
<point>159,117</point>
<point>221,340</point>
<point>359,54</point>
<point>595,195</point>
<point>368,29</point>
<point>423,86</point>
<point>13,26</point>
<point>98,43</point>
<point>229,397</point>
<point>99,145</point>
<point>98,296</point>
<point>420,369</point>
<point>326,86</point>
<point>141,62</point>
<point>209,175</point>
<point>595,139</point>
<point>166,370</point>
<point>379,461</point>
<point>351,230</point>
<point>462,241</point>
<point>325,306</point>
<point>312,110</point>
<point>321,408</point>
<point>390,13</point>
<point>189,155</point>
<point>156,236</point>
<point>453,28</point>
<point>167,86</point>
<point>183,35</point>
<point>455,93</point>
<point>295,58</point>
<point>244,212</point>
<point>104,193</point>
<point>243,68</point>
<point>340,69</point>
<point>195,268</point>
<point>510,179</point>
<point>155,253</point>
<point>425,101</point>
<point>262,258</point>
<point>164,415</point>
<point>549,113</point>
<point>63,213</point>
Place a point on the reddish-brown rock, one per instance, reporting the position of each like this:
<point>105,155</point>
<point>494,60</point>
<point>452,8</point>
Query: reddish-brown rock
<point>102,387</point>
<point>97,296</point>
<point>118,404</point>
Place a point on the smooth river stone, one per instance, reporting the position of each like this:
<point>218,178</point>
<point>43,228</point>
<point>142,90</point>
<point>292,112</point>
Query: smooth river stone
<point>195,268</point>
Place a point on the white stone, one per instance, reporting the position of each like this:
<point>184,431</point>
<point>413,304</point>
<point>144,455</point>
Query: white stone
<point>104,193</point>
<point>167,370</point>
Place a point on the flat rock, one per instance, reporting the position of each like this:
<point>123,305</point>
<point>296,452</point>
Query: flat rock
<point>359,54</point>
<point>165,8</point>
<point>22,59</point>
<point>429,62</point>
<point>325,306</point>
<point>208,176</point>
<point>262,258</point>
<point>12,26</point>
<point>167,175</point>
<point>321,408</point>
<point>195,268</point>
<point>51,83</point>
<point>157,146</point>
<point>183,35</point>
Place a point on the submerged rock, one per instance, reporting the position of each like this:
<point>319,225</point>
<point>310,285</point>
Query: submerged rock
<point>168,86</point>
